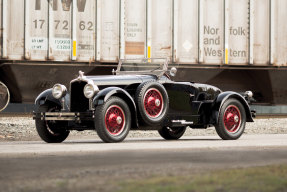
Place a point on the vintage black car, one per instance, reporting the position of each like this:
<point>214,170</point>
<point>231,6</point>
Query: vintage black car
<point>139,95</point>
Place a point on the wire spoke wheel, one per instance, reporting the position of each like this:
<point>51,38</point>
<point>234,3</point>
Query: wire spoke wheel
<point>51,131</point>
<point>153,103</point>
<point>115,120</point>
<point>55,128</point>
<point>232,119</point>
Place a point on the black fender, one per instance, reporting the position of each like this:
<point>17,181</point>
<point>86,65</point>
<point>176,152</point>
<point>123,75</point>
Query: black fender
<point>106,93</point>
<point>222,97</point>
<point>46,97</point>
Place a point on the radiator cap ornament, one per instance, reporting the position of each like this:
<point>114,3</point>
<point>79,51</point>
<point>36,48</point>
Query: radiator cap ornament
<point>81,75</point>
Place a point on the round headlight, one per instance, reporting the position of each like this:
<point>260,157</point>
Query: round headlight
<point>59,91</point>
<point>90,90</point>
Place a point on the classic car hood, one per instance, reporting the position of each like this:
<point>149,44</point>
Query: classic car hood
<point>119,79</point>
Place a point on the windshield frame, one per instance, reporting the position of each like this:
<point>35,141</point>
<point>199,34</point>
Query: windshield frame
<point>160,71</point>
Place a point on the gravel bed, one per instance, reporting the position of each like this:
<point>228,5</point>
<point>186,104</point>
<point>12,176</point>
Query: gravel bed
<point>23,129</point>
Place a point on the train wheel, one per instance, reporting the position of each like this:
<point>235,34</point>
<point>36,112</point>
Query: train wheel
<point>4,96</point>
<point>232,120</point>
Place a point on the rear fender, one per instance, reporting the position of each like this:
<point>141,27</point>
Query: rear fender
<point>106,93</point>
<point>222,97</point>
<point>46,97</point>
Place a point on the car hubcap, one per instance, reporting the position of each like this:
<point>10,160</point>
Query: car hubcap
<point>232,119</point>
<point>114,120</point>
<point>119,120</point>
<point>157,102</point>
<point>236,119</point>
<point>153,103</point>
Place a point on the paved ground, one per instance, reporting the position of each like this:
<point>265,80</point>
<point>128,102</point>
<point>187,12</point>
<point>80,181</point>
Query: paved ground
<point>154,143</point>
<point>90,165</point>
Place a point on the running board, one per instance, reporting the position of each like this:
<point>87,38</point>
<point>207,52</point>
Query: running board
<point>182,122</point>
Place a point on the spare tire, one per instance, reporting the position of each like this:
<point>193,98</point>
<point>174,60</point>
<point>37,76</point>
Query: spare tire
<point>4,96</point>
<point>152,102</point>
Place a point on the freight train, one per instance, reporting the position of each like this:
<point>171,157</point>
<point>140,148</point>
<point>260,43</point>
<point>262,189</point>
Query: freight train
<point>236,45</point>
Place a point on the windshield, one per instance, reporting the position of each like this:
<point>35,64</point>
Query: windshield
<point>156,66</point>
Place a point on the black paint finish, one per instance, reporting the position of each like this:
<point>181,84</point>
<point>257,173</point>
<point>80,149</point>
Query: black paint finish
<point>192,102</point>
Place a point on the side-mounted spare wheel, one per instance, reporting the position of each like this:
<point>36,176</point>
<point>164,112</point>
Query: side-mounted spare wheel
<point>51,131</point>
<point>4,96</point>
<point>232,120</point>
<point>113,120</point>
<point>172,133</point>
<point>152,102</point>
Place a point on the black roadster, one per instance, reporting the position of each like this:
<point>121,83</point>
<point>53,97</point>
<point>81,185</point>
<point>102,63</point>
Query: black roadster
<point>139,95</point>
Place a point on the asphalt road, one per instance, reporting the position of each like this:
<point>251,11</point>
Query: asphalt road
<point>136,144</point>
<point>89,165</point>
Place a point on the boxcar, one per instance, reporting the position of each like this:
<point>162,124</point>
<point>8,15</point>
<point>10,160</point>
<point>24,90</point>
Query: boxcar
<point>235,44</point>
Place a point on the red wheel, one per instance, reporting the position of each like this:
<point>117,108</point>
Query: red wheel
<point>232,119</point>
<point>153,103</point>
<point>115,120</point>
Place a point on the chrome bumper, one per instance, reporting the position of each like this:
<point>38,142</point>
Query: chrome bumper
<point>64,116</point>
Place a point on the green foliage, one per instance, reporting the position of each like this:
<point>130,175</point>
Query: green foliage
<point>263,179</point>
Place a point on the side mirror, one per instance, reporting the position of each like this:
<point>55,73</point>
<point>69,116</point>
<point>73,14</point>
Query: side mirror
<point>173,71</point>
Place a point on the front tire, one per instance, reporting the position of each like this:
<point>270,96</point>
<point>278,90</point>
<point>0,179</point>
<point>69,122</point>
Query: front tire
<point>51,131</point>
<point>113,120</point>
<point>232,120</point>
<point>172,133</point>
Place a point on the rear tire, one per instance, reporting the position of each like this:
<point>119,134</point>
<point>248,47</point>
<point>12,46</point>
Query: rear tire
<point>231,121</point>
<point>113,120</point>
<point>51,131</point>
<point>172,133</point>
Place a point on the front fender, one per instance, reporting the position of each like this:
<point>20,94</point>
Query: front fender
<point>106,93</point>
<point>222,97</point>
<point>46,97</point>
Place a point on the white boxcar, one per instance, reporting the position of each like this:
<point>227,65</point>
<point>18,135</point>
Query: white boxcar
<point>220,32</point>
<point>236,45</point>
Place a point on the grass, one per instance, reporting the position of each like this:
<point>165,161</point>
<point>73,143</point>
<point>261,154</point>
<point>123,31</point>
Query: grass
<point>262,179</point>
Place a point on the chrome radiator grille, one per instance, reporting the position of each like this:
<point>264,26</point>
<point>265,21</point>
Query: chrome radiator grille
<point>79,103</point>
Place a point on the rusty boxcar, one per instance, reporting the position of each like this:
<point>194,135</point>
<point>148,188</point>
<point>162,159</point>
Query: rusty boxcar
<point>235,44</point>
